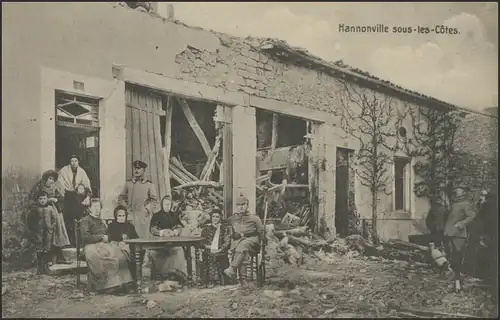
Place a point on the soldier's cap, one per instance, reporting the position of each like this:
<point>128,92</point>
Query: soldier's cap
<point>140,164</point>
<point>241,199</point>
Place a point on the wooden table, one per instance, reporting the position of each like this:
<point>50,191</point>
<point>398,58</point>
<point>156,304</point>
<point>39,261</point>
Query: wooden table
<point>138,245</point>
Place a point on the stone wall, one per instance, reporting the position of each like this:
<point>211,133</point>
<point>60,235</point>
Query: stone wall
<point>238,66</point>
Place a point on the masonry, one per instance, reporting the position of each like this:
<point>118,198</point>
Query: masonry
<point>245,74</point>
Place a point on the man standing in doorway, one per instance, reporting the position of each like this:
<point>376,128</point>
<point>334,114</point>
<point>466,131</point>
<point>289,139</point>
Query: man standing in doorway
<point>140,197</point>
<point>71,176</point>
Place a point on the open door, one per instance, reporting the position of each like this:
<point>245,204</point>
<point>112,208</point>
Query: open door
<point>77,132</point>
<point>85,144</point>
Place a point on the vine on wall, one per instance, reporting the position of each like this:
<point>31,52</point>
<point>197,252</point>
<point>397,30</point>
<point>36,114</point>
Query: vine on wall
<point>369,118</point>
<point>433,145</point>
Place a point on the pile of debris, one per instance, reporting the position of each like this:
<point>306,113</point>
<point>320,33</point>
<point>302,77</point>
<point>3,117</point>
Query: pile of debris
<point>392,249</point>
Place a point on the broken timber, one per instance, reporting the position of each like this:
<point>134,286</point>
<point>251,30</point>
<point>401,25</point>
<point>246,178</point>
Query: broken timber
<point>194,124</point>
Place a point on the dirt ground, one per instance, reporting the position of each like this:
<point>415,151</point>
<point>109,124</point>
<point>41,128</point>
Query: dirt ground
<point>336,286</point>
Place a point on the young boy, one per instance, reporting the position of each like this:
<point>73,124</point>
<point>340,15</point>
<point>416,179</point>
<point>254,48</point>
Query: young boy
<point>248,230</point>
<point>41,223</point>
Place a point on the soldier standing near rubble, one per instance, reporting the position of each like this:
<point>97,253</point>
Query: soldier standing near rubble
<point>248,230</point>
<point>455,234</point>
<point>139,196</point>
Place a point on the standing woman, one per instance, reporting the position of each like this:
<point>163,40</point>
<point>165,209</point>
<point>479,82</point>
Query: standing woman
<point>455,233</point>
<point>70,176</point>
<point>167,223</point>
<point>54,198</point>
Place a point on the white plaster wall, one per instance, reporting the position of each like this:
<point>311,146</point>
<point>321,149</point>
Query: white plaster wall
<point>244,146</point>
<point>111,119</point>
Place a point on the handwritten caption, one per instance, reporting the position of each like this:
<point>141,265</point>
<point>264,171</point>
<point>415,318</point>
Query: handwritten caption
<point>382,28</point>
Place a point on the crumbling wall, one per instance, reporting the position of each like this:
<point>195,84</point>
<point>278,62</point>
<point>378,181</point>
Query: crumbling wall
<point>238,66</point>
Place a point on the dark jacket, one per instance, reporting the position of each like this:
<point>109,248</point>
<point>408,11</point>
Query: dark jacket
<point>117,230</point>
<point>92,230</point>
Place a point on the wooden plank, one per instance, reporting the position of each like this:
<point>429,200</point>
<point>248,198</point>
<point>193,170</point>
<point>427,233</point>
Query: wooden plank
<point>163,179</point>
<point>153,166</point>
<point>274,132</point>
<point>136,138</point>
<point>144,138</point>
<point>227,163</point>
<point>195,126</point>
<point>128,138</point>
<point>134,106</point>
<point>212,158</point>
<point>169,109</point>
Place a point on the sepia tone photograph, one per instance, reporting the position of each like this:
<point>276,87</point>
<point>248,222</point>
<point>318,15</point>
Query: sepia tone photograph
<point>249,160</point>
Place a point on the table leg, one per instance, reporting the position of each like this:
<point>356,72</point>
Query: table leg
<point>133,250</point>
<point>138,268</point>
<point>189,263</point>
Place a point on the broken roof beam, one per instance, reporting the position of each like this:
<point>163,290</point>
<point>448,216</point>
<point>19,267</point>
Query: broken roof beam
<point>195,126</point>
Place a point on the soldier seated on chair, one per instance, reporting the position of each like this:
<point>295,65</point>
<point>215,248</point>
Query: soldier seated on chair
<point>248,231</point>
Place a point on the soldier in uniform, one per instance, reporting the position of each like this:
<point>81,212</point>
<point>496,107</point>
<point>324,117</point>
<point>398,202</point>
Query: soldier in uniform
<point>140,197</point>
<point>248,231</point>
<point>455,233</point>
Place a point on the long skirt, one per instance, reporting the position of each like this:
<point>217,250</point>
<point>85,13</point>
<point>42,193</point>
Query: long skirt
<point>169,261</point>
<point>213,267</point>
<point>60,235</point>
<point>108,265</point>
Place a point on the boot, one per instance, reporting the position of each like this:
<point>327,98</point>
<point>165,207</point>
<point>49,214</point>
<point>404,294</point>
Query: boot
<point>243,270</point>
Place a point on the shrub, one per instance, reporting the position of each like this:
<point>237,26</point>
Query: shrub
<point>16,250</point>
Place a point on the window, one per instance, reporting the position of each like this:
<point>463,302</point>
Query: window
<point>76,110</point>
<point>402,184</point>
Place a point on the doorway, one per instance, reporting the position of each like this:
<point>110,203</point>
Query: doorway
<point>84,142</point>
<point>342,193</point>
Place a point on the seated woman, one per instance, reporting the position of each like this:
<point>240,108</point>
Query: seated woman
<point>121,229</point>
<point>107,262</point>
<point>167,223</point>
<point>216,246</point>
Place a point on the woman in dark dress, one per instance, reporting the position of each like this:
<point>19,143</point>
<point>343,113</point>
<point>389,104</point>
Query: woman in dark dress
<point>167,223</point>
<point>121,229</point>
<point>217,242</point>
<point>108,262</point>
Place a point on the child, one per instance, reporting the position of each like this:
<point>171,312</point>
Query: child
<point>82,193</point>
<point>41,223</point>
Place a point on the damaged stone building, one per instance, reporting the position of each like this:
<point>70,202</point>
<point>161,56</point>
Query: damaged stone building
<point>116,84</point>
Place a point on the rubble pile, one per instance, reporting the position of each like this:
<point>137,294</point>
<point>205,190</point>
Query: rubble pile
<point>392,249</point>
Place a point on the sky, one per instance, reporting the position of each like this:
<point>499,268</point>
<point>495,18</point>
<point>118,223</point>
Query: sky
<point>461,69</point>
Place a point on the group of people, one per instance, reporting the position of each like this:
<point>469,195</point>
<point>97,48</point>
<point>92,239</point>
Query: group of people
<point>466,231</point>
<point>55,206</point>
<point>67,191</point>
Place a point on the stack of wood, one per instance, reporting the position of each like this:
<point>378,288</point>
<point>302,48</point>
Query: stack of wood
<point>193,186</point>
